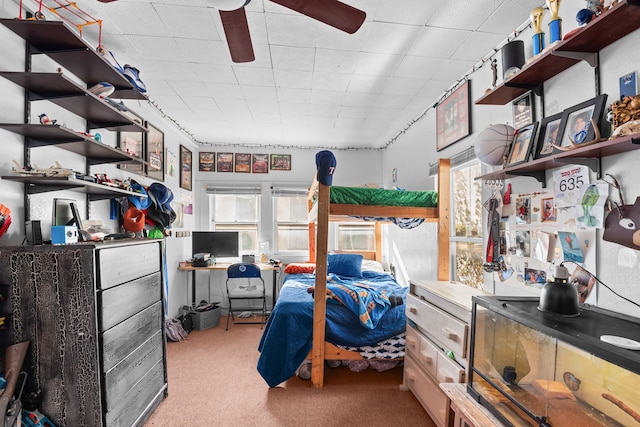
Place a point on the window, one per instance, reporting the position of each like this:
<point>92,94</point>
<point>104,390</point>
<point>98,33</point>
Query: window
<point>356,237</point>
<point>238,212</point>
<point>291,222</point>
<point>466,230</point>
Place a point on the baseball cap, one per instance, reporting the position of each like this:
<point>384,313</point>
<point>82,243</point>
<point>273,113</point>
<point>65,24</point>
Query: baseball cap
<point>139,202</point>
<point>326,165</point>
<point>133,219</point>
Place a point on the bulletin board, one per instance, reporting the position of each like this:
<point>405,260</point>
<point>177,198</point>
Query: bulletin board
<point>540,229</point>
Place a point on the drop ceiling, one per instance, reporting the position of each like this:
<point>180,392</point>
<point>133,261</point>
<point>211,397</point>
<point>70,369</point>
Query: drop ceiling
<point>310,85</point>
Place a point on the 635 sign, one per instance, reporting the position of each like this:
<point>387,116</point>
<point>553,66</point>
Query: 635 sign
<point>569,181</point>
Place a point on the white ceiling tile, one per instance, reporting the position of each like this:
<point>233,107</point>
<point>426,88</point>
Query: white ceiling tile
<point>292,58</point>
<point>418,67</point>
<point>434,42</point>
<point>331,81</point>
<point>293,78</point>
<point>377,64</point>
<point>389,38</point>
<point>335,61</point>
<point>287,94</point>
<point>201,103</point>
<point>187,21</point>
<point>254,76</point>
<point>413,12</point>
<point>260,93</point>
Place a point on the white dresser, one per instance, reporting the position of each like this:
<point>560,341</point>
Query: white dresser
<point>437,344</point>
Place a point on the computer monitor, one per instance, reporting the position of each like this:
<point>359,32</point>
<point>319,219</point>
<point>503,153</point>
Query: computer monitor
<point>218,244</point>
<point>62,213</point>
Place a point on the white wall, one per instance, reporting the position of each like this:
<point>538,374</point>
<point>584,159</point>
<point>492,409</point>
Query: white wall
<point>413,252</point>
<point>569,88</point>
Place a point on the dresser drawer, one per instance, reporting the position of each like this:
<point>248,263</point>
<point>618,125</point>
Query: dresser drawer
<point>138,401</point>
<point>123,301</point>
<point>412,342</point>
<point>122,264</point>
<point>428,357</point>
<point>125,337</point>
<point>427,392</point>
<point>126,374</point>
<point>448,370</point>
<point>445,329</point>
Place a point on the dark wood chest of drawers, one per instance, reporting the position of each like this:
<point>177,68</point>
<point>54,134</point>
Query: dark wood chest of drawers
<point>93,314</point>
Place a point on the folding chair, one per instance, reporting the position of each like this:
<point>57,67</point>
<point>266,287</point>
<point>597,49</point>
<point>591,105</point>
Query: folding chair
<point>244,282</point>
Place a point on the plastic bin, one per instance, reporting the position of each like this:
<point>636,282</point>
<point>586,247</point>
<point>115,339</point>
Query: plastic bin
<point>203,319</point>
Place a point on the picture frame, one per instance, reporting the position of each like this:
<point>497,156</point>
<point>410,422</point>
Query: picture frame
<point>206,161</point>
<point>523,110</point>
<point>280,162</point>
<point>260,163</point>
<point>453,117</point>
<point>548,136</point>
<point>154,152</point>
<point>521,146</point>
<point>186,169</point>
<point>576,122</point>
<point>132,143</point>
<point>224,162</point>
<point>242,163</point>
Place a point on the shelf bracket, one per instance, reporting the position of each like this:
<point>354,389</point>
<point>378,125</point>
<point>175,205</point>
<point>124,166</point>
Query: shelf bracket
<point>592,163</point>
<point>537,89</point>
<point>538,175</point>
<point>590,58</point>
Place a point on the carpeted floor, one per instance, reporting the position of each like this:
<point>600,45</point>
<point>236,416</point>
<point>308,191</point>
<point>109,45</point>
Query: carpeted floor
<point>213,381</point>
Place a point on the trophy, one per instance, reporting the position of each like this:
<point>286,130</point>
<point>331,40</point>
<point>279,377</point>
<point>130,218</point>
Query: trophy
<point>555,24</point>
<point>538,36</point>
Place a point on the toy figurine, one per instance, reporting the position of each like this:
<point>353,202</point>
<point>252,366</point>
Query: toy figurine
<point>45,120</point>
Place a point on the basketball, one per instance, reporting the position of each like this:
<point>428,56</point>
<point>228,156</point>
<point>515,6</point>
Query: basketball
<point>493,142</point>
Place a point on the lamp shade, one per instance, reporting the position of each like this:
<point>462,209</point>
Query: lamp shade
<point>512,58</point>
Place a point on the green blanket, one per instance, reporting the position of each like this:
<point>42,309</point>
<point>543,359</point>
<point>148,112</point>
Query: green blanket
<point>383,197</point>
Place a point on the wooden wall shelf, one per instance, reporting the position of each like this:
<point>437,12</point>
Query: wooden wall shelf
<point>607,28</point>
<point>63,45</point>
<point>588,155</point>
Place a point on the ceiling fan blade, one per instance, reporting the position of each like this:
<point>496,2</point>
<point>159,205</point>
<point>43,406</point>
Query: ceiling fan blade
<point>331,12</point>
<point>236,29</point>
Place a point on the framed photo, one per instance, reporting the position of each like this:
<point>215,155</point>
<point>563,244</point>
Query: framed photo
<point>224,162</point>
<point>576,122</point>
<point>206,162</point>
<point>154,149</point>
<point>522,144</point>
<point>453,117</point>
<point>280,162</point>
<point>186,168</point>
<point>260,163</point>
<point>132,143</point>
<point>523,111</point>
<point>548,136</point>
<point>243,162</point>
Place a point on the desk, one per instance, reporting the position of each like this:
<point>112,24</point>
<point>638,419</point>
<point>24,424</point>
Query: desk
<point>223,267</point>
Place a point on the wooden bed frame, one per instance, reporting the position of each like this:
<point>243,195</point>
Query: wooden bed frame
<point>318,251</point>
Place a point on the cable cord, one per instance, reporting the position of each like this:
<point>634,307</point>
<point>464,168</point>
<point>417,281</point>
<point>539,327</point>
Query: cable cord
<point>604,284</point>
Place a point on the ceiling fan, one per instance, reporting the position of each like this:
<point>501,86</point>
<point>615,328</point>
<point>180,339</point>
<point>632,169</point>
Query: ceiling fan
<point>234,20</point>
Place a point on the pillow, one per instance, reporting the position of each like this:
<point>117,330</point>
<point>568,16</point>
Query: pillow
<point>371,265</point>
<point>345,264</point>
<point>300,268</point>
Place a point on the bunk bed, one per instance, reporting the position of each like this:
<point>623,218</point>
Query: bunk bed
<point>276,343</point>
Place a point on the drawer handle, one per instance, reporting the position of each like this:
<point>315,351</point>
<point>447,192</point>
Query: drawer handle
<point>450,334</point>
<point>427,359</point>
<point>448,380</point>
<point>411,376</point>
<point>412,309</point>
<point>411,343</point>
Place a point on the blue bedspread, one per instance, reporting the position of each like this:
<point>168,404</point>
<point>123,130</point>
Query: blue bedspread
<point>287,338</point>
